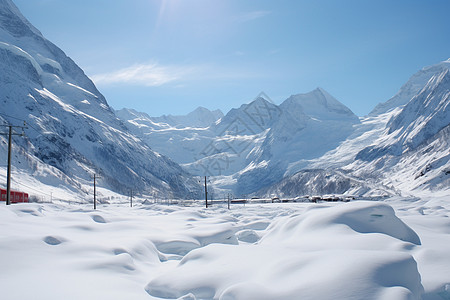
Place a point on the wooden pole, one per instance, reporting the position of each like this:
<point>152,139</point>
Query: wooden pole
<point>95,199</point>
<point>8,175</point>
<point>8,182</point>
<point>206,194</point>
<point>131,198</point>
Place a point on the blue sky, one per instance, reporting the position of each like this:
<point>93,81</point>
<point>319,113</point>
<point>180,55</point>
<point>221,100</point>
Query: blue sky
<point>171,56</point>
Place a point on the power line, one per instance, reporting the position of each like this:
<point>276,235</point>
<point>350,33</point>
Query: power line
<point>39,192</point>
<point>11,117</point>
<point>57,146</point>
<point>69,154</point>
<point>9,159</point>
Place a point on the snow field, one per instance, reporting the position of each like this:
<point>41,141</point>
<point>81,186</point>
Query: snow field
<point>355,250</point>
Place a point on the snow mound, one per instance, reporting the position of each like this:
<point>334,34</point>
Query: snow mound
<point>355,250</point>
<point>351,248</point>
<point>362,217</point>
<point>251,272</point>
<point>377,218</point>
<point>376,222</point>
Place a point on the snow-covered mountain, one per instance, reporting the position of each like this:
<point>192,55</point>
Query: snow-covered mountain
<point>170,135</point>
<point>200,117</point>
<point>413,152</point>
<point>411,87</point>
<point>308,126</point>
<point>310,143</point>
<point>420,119</point>
<point>251,146</point>
<point>401,149</point>
<point>70,125</point>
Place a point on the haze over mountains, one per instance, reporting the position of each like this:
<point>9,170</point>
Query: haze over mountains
<point>309,144</point>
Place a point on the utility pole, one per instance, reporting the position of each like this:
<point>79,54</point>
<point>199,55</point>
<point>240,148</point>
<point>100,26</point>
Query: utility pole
<point>131,198</point>
<point>95,193</point>
<point>8,180</point>
<point>206,194</point>
<point>95,200</point>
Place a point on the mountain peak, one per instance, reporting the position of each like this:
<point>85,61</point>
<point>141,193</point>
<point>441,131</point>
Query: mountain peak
<point>204,117</point>
<point>129,113</point>
<point>260,101</point>
<point>426,113</point>
<point>318,104</point>
<point>12,20</point>
<point>201,109</point>
<point>205,111</point>
<point>412,87</point>
<point>264,97</point>
<point>321,90</point>
<point>201,117</point>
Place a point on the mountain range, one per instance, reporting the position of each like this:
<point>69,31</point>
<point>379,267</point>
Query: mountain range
<point>402,147</point>
<point>313,144</point>
<point>309,144</point>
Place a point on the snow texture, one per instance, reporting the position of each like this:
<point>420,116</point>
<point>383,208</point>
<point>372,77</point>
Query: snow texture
<point>396,249</point>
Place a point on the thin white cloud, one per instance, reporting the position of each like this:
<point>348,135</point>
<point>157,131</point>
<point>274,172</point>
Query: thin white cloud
<point>252,15</point>
<point>154,75</point>
<point>144,74</point>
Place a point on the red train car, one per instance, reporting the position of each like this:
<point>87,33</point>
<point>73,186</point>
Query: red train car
<point>15,197</point>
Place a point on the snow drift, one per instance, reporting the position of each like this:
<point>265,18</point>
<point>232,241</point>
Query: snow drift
<point>355,250</point>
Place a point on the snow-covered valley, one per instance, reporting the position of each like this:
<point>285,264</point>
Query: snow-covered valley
<point>392,249</point>
<point>389,240</point>
<point>309,144</point>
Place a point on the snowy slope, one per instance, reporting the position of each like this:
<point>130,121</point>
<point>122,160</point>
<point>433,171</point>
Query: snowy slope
<point>309,125</point>
<point>414,149</point>
<point>175,138</point>
<point>411,87</point>
<point>220,146</point>
<point>402,151</point>
<point>425,114</point>
<point>70,125</point>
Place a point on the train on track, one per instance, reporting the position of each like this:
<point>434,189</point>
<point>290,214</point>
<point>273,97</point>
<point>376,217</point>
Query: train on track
<point>15,196</point>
